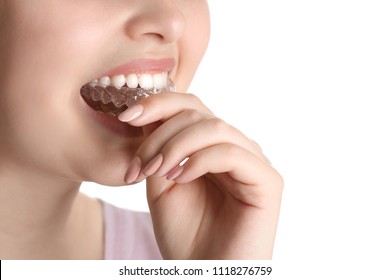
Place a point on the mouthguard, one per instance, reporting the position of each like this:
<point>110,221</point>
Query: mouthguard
<point>113,101</point>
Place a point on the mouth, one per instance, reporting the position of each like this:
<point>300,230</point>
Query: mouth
<point>111,95</point>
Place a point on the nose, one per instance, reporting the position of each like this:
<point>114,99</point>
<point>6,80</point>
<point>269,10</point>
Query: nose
<point>159,19</point>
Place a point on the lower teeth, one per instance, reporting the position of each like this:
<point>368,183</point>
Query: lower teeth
<point>113,101</point>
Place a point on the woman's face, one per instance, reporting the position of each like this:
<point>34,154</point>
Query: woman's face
<point>50,49</point>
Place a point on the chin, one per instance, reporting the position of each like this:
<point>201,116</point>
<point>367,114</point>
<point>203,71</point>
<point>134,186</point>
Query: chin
<point>112,180</point>
<point>108,170</point>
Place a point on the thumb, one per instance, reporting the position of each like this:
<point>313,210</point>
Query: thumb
<point>149,128</point>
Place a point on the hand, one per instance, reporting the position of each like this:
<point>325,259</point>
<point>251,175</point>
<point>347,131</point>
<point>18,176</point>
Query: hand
<point>223,203</point>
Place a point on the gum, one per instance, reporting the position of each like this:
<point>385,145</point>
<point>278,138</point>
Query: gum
<point>112,100</point>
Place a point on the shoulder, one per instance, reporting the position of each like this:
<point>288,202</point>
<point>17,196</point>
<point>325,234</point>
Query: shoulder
<point>128,234</point>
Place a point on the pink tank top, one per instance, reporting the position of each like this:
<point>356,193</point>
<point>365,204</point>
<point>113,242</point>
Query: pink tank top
<point>128,235</point>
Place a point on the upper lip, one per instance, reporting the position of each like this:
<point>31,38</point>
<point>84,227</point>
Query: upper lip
<point>142,65</point>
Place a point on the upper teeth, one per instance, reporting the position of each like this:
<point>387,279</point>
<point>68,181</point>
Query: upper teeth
<point>145,81</point>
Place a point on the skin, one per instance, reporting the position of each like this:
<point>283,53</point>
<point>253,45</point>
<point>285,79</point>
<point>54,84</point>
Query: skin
<point>223,203</point>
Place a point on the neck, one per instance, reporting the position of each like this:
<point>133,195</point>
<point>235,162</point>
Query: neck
<point>41,216</point>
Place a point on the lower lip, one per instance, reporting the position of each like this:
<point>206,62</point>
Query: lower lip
<point>111,123</point>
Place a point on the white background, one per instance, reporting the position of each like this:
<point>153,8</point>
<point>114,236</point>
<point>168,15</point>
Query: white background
<point>309,81</point>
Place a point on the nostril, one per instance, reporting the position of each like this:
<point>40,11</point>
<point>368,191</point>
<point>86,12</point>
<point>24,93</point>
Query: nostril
<point>163,21</point>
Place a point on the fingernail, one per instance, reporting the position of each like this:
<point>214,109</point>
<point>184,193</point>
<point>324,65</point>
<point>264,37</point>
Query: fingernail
<point>133,171</point>
<point>131,113</point>
<point>175,173</point>
<point>267,160</point>
<point>140,178</point>
<point>153,165</point>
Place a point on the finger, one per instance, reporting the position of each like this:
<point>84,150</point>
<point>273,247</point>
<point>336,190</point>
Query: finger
<point>249,177</point>
<point>146,160</point>
<point>200,135</point>
<point>161,135</point>
<point>161,107</point>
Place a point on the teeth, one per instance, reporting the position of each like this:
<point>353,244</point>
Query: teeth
<point>113,100</point>
<point>104,81</point>
<point>132,81</point>
<point>94,83</point>
<point>158,81</point>
<point>146,81</point>
<point>118,81</point>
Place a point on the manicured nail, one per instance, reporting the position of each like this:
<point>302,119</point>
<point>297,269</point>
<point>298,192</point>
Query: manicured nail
<point>131,113</point>
<point>176,172</point>
<point>140,178</point>
<point>267,160</point>
<point>153,165</point>
<point>133,171</point>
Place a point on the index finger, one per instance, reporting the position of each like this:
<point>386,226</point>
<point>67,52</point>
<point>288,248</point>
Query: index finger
<point>162,107</point>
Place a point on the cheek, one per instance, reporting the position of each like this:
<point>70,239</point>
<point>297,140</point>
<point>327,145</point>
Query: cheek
<point>41,74</point>
<point>47,46</point>
<point>193,44</point>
